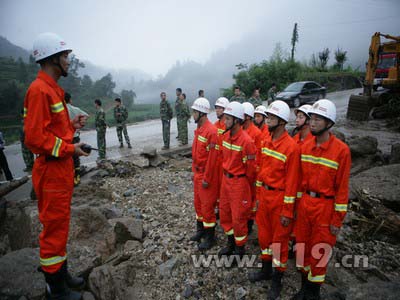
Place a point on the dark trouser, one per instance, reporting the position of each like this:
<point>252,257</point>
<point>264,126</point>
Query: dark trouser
<point>166,124</point>
<point>4,166</point>
<point>121,128</point>
<point>101,143</point>
<point>77,161</point>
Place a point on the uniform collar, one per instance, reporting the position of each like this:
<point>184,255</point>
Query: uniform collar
<point>204,126</point>
<point>325,145</point>
<point>51,82</point>
<point>277,142</point>
<point>237,135</point>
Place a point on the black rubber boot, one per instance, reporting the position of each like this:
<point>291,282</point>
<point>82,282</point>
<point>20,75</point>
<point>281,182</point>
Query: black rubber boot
<point>312,291</point>
<point>264,274</point>
<point>250,224</point>
<point>199,233</point>
<point>209,239</point>
<point>230,248</point>
<point>300,294</point>
<point>57,288</point>
<point>121,145</point>
<point>76,283</point>
<point>276,285</point>
<point>129,146</point>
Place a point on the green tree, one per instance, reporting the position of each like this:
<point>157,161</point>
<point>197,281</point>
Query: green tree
<point>104,87</point>
<point>323,58</point>
<point>341,58</point>
<point>128,97</point>
<point>295,39</point>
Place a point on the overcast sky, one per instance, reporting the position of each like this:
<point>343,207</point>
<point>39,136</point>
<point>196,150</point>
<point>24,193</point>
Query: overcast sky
<point>152,35</point>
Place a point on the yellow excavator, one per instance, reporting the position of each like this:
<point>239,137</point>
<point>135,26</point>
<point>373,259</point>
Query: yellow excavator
<point>361,106</point>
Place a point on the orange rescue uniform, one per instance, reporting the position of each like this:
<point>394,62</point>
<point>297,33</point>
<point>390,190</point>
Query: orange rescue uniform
<point>325,187</point>
<point>48,133</point>
<point>277,186</point>
<point>204,155</point>
<point>238,155</point>
<point>220,125</point>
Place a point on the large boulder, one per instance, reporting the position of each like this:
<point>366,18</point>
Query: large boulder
<point>86,222</point>
<point>362,146</point>
<point>109,282</point>
<point>382,183</point>
<point>127,229</point>
<point>19,276</point>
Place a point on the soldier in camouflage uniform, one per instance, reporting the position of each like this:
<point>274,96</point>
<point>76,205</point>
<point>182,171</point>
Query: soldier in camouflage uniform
<point>272,93</point>
<point>101,126</point>
<point>182,115</point>
<point>120,116</point>
<point>255,98</point>
<point>27,155</point>
<point>238,96</point>
<point>178,94</point>
<point>166,115</point>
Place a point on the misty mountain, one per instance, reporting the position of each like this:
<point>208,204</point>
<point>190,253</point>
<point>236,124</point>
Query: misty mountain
<point>8,49</point>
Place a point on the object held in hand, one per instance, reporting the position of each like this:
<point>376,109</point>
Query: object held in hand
<point>87,148</point>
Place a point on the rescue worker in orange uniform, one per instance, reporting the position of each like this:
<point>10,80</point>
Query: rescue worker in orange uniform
<point>220,106</point>
<point>277,185</point>
<point>238,156</point>
<point>302,133</point>
<point>260,115</point>
<point>205,179</point>
<point>325,166</point>
<point>49,133</point>
<point>255,135</point>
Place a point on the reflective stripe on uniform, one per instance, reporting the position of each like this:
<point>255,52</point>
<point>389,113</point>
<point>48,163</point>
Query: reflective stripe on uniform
<point>199,218</point>
<point>317,278</point>
<point>306,268</point>
<point>202,139</point>
<point>288,200</point>
<point>299,194</point>
<point>266,251</point>
<point>259,183</point>
<point>56,108</point>
<point>25,112</point>
<point>340,207</point>
<point>232,146</point>
<point>56,148</point>
<point>220,131</point>
<point>320,161</point>
<point>240,238</point>
<point>230,232</point>
<point>274,154</point>
<point>52,260</point>
<point>216,147</point>
<point>208,224</point>
<point>278,264</point>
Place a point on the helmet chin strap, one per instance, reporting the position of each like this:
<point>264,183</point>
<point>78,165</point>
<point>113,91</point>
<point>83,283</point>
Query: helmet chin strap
<point>319,133</point>
<point>63,72</point>
<point>271,129</point>
<point>299,128</point>
<point>200,116</point>
<point>235,121</point>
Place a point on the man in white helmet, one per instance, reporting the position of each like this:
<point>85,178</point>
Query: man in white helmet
<point>255,135</point>
<point>277,185</point>
<point>302,133</point>
<point>49,133</point>
<point>325,166</point>
<point>205,179</point>
<point>238,159</point>
<point>260,115</point>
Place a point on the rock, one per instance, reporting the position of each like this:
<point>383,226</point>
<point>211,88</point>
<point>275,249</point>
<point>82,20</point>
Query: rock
<point>362,146</point>
<point>149,151</point>
<point>86,222</point>
<point>157,160</point>
<point>111,212</point>
<point>112,282</point>
<point>188,291</point>
<point>127,229</point>
<point>395,154</point>
<point>166,268</point>
<point>135,213</point>
<point>140,161</point>
<point>19,229</point>
<point>87,296</point>
<point>3,210</point>
<point>132,246</point>
<point>22,278</point>
<point>375,289</point>
<point>128,192</point>
<point>99,174</point>
<point>340,135</point>
<point>240,293</point>
<point>382,183</point>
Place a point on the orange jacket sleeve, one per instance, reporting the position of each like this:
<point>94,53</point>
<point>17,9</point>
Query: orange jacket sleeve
<point>38,137</point>
<point>342,188</point>
<point>291,182</point>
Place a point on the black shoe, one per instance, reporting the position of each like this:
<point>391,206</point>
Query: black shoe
<point>250,226</point>
<point>264,274</point>
<point>57,288</point>
<point>230,248</point>
<point>121,145</point>
<point>209,239</point>
<point>76,283</point>
<point>199,233</point>
<point>276,285</point>
<point>312,291</point>
<point>129,146</point>
<point>300,294</point>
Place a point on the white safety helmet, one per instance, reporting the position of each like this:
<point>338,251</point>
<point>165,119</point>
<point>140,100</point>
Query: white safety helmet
<point>202,105</point>
<point>235,109</point>
<point>304,109</point>
<point>324,108</point>
<point>248,109</point>
<point>279,109</point>
<point>48,44</point>
<point>261,109</point>
<point>222,102</point>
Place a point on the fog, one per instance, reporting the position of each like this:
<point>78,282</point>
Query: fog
<point>196,44</point>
